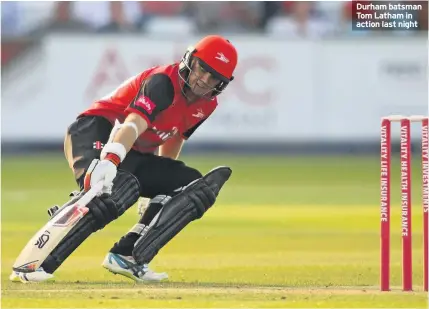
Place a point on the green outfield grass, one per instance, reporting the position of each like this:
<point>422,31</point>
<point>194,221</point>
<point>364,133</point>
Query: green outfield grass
<point>285,232</point>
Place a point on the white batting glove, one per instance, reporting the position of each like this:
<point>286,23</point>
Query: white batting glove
<point>105,169</point>
<point>100,170</point>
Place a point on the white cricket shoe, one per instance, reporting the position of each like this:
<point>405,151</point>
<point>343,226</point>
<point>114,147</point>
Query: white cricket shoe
<point>39,275</point>
<point>128,267</point>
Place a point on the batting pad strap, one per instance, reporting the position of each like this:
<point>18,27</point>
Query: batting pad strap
<point>115,148</point>
<point>138,228</point>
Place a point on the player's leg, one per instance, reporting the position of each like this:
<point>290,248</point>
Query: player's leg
<point>164,179</point>
<point>84,141</point>
<point>189,205</point>
<point>160,179</point>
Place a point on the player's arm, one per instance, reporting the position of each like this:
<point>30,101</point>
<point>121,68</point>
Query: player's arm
<point>155,95</point>
<point>172,147</point>
<point>133,126</point>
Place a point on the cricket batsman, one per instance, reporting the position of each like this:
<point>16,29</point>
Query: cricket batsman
<point>113,144</point>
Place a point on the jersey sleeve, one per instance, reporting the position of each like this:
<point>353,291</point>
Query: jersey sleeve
<point>187,134</point>
<point>155,95</point>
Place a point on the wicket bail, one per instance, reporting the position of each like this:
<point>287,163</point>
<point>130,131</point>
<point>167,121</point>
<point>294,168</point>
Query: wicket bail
<point>385,188</point>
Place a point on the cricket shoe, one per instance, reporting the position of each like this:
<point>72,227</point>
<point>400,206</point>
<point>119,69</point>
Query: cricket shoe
<point>38,275</point>
<point>128,267</point>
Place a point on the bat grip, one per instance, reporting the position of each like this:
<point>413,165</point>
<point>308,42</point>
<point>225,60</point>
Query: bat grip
<point>90,194</point>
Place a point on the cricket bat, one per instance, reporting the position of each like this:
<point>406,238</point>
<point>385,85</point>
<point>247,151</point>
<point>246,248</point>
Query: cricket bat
<point>50,235</point>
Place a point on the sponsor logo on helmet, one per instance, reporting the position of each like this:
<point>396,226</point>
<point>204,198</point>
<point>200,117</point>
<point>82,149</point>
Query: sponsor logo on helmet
<point>222,57</point>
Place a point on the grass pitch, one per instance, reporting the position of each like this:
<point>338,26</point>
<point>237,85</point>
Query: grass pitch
<point>285,233</point>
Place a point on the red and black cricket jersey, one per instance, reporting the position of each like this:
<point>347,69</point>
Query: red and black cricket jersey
<point>155,95</point>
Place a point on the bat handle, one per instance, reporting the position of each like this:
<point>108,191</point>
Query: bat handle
<point>90,194</point>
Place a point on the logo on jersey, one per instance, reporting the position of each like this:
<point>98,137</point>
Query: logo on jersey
<point>146,104</point>
<point>97,145</point>
<point>199,113</point>
<point>165,135</point>
<point>221,57</point>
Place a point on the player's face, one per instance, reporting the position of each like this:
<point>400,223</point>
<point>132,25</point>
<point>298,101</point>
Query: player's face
<point>201,82</point>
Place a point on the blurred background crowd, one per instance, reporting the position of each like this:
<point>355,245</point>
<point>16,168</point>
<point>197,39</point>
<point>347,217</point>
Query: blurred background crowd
<point>298,60</point>
<point>23,22</point>
<point>284,18</point>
